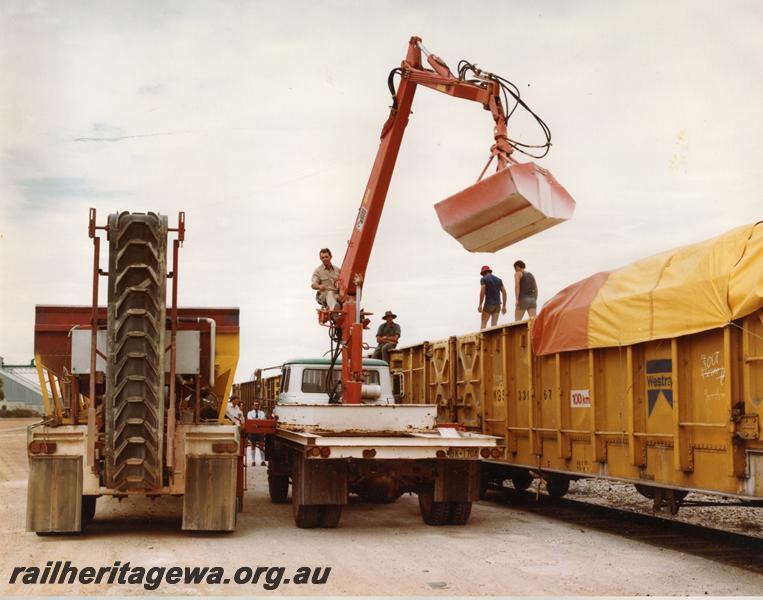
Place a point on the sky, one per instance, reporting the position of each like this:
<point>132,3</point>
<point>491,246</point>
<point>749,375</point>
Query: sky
<point>261,121</point>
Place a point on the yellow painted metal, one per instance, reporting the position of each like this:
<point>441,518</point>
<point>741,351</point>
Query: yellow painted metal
<point>682,412</point>
<point>226,360</point>
<point>43,387</point>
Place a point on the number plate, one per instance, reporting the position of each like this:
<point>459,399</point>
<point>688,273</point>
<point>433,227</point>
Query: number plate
<point>462,452</point>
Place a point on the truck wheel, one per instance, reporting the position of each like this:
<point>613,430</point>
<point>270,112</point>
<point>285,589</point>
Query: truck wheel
<point>557,487</point>
<point>433,513</point>
<point>484,485</point>
<point>278,487</point>
<point>330,515</point>
<point>521,480</point>
<point>88,509</point>
<point>459,512</point>
<point>307,516</point>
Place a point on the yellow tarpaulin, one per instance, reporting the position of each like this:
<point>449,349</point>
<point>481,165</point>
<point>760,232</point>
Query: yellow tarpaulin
<point>675,293</point>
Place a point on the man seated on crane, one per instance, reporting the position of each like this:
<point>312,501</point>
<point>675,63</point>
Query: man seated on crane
<point>387,336</point>
<point>326,281</point>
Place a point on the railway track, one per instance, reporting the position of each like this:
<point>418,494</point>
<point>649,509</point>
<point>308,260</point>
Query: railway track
<point>718,545</point>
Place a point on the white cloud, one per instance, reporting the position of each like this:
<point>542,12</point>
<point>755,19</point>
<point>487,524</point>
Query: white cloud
<point>261,121</point>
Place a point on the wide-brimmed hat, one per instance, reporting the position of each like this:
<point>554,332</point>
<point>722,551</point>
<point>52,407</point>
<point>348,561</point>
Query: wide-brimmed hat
<point>389,313</point>
<point>485,269</point>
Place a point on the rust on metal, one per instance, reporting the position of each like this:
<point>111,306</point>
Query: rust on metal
<point>509,206</point>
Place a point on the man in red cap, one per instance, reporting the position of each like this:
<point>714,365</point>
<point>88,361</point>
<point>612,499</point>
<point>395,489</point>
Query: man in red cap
<point>492,297</point>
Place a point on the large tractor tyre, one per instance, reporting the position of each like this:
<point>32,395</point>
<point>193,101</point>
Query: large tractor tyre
<point>330,515</point>
<point>88,509</point>
<point>521,480</point>
<point>557,487</point>
<point>278,487</point>
<point>460,512</point>
<point>134,400</point>
<point>433,513</point>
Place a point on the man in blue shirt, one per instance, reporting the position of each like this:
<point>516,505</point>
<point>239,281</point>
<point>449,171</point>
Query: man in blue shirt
<point>492,297</point>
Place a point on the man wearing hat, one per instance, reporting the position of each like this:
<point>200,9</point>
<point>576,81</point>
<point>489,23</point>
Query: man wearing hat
<point>492,297</point>
<point>386,336</point>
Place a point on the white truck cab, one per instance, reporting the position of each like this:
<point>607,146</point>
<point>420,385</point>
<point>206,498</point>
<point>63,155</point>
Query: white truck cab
<point>304,381</point>
<point>376,449</point>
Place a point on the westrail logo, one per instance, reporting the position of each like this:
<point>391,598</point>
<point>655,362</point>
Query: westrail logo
<point>659,382</point>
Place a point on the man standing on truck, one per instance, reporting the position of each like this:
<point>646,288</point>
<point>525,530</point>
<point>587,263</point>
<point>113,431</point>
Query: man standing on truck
<point>492,292</point>
<point>525,291</point>
<point>326,281</point>
<point>387,336</point>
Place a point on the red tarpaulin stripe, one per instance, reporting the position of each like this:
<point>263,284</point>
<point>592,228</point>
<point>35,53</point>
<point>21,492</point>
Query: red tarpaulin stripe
<point>562,325</point>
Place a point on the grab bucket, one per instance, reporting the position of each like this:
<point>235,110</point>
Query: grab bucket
<point>505,208</point>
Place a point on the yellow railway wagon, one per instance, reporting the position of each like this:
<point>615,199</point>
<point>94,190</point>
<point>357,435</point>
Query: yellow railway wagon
<point>264,389</point>
<point>670,401</point>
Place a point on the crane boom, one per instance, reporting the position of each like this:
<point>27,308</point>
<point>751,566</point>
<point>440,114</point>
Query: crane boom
<point>485,89</point>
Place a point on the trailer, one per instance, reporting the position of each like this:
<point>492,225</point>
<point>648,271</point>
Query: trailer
<point>650,374</point>
<point>375,449</point>
<point>134,392</point>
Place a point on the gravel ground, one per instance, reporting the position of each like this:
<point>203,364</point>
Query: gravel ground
<point>740,519</point>
<point>377,550</point>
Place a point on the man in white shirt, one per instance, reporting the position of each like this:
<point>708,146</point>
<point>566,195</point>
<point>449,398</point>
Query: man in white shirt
<point>325,281</point>
<point>234,412</point>
<point>257,440</point>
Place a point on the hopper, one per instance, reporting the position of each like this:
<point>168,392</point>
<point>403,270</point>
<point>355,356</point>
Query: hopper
<point>506,207</point>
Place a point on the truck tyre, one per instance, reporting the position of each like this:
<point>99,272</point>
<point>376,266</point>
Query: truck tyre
<point>330,515</point>
<point>521,480</point>
<point>557,486</point>
<point>484,484</point>
<point>278,487</point>
<point>88,509</point>
<point>459,512</point>
<point>433,513</point>
<point>307,516</point>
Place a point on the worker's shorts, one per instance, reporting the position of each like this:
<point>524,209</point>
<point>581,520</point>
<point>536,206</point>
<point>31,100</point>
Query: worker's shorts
<point>327,299</point>
<point>526,302</point>
<point>491,309</point>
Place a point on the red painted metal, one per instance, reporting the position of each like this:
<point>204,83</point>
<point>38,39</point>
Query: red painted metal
<point>90,442</point>
<point>53,323</point>
<point>525,195</point>
<point>240,474</point>
<point>263,426</point>
<point>173,342</point>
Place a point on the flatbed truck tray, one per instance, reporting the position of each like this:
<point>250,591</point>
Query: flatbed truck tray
<point>389,445</point>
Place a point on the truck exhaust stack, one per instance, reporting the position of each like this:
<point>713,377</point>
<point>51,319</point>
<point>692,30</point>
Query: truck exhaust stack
<point>505,208</point>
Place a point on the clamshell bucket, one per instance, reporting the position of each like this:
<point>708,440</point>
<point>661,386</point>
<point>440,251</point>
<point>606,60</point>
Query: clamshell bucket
<point>506,207</point>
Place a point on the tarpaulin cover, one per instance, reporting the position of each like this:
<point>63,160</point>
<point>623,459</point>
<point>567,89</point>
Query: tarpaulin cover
<point>682,291</point>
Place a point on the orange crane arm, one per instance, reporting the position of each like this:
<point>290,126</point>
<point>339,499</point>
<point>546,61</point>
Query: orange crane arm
<point>486,91</point>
